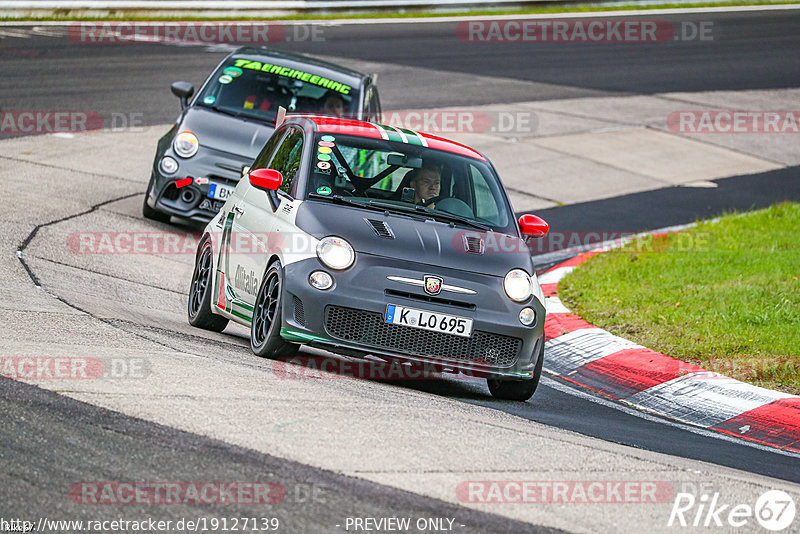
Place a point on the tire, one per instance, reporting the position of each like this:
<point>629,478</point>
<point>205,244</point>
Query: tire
<point>517,390</point>
<point>265,328</point>
<point>199,307</point>
<point>150,213</point>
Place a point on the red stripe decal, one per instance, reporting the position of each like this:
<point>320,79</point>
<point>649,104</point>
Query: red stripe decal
<point>776,424</point>
<point>558,324</point>
<point>631,371</point>
<point>221,298</point>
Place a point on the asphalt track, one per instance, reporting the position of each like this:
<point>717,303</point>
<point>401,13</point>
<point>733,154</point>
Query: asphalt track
<point>124,448</point>
<point>758,52</point>
<point>748,51</point>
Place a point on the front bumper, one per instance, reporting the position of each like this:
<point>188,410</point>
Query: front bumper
<point>349,317</point>
<point>192,201</point>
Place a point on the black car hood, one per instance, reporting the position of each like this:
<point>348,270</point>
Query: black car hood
<point>236,135</point>
<point>423,241</point>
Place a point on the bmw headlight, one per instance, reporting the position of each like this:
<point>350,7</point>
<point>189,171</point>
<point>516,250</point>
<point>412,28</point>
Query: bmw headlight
<point>335,253</point>
<point>517,285</point>
<point>186,144</point>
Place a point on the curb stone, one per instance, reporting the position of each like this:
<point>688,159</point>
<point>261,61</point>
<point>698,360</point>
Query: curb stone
<point>619,369</point>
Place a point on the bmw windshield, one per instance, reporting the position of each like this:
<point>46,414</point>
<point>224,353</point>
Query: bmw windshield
<point>253,89</point>
<point>407,178</point>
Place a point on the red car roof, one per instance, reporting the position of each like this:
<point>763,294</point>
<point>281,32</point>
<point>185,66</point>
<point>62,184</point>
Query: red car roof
<point>334,125</point>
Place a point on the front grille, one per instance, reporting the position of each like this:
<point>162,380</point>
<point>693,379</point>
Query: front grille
<point>299,312</point>
<point>369,329</point>
<point>227,180</point>
<point>427,298</point>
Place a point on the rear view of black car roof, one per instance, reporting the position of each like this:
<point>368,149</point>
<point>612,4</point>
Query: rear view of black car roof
<point>297,61</point>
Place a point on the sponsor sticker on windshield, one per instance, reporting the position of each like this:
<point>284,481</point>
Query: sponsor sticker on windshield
<point>233,72</point>
<point>293,73</point>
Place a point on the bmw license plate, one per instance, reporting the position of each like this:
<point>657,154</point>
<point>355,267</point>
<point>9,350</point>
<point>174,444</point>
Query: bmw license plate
<point>219,191</point>
<point>437,322</point>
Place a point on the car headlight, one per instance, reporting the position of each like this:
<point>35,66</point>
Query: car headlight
<point>335,253</point>
<point>186,144</point>
<point>517,285</point>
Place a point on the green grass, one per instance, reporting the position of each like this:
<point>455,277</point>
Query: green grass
<point>724,295</point>
<point>119,14</point>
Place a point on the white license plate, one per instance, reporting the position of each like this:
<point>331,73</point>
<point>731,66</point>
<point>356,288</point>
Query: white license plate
<point>437,322</point>
<point>219,191</point>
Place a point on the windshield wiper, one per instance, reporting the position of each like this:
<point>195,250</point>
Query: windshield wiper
<point>437,215</point>
<point>339,199</point>
<point>237,114</point>
<point>456,218</point>
<point>416,212</point>
<point>371,205</point>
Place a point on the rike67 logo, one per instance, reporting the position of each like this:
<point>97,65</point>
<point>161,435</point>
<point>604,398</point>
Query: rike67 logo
<point>774,510</point>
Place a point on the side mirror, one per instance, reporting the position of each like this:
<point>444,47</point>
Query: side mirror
<point>184,91</point>
<point>533,226</point>
<point>265,179</point>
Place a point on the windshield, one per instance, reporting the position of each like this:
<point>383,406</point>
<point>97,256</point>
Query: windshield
<point>408,178</point>
<point>253,89</point>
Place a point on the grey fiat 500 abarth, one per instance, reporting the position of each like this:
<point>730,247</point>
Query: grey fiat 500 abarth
<point>369,240</point>
<point>220,130</point>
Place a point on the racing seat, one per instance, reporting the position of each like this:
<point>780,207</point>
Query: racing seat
<point>245,94</point>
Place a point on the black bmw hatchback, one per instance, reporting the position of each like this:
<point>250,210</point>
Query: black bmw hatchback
<point>222,128</point>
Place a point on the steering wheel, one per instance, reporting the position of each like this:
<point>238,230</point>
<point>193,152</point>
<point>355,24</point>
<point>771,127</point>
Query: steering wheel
<point>428,201</point>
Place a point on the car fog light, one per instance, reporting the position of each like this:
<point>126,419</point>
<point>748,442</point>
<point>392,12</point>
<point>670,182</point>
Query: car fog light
<point>168,165</point>
<point>320,280</point>
<point>527,316</point>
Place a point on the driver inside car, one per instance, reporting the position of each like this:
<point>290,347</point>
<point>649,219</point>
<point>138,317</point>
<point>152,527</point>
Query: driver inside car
<point>427,183</point>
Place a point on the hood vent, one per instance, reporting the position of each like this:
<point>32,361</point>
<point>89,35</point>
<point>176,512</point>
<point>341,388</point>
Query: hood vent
<point>381,228</point>
<point>473,244</point>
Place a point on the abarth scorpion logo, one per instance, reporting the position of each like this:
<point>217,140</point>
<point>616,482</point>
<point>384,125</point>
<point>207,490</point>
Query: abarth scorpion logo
<point>433,285</point>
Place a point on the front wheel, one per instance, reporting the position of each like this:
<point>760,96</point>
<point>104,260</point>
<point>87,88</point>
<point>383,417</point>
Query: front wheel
<point>200,314</point>
<point>517,390</point>
<point>265,336</point>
